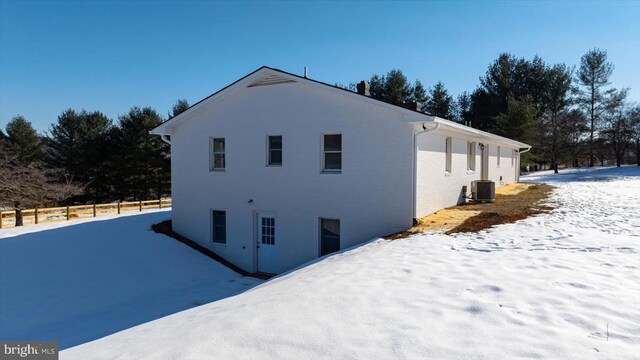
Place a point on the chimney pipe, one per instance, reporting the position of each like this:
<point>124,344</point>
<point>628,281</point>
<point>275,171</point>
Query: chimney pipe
<point>305,72</point>
<point>363,88</point>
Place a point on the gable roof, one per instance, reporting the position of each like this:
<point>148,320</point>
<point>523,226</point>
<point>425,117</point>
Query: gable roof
<point>269,76</point>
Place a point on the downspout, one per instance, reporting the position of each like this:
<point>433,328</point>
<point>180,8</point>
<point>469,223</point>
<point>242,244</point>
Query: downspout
<point>415,163</point>
<point>166,138</point>
<point>518,164</point>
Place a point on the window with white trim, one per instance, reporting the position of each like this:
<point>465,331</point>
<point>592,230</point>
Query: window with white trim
<point>448,150</point>
<point>217,154</point>
<point>332,153</point>
<point>498,155</point>
<point>274,150</point>
<point>471,155</point>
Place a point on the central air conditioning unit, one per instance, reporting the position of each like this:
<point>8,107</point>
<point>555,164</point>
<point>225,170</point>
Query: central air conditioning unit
<point>483,190</point>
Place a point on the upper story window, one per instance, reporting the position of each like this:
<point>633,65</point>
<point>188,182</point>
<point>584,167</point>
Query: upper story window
<point>471,155</point>
<point>448,150</point>
<point>332,153</point>
<point>498,155</point>
<point>217,157</point>
<point>274,150</point>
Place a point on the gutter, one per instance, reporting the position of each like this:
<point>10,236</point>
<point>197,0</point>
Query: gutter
<point>415,162</point>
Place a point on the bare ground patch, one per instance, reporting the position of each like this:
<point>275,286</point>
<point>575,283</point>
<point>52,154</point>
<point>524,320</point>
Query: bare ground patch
<point>513,202</point>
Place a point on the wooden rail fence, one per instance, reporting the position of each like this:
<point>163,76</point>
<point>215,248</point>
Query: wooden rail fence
<point>63,213</point>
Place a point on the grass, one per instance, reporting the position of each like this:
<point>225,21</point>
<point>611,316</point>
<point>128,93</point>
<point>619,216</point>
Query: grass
<point>513,202</point>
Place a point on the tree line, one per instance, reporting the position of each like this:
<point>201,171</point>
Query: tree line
<point>85,157</point>
<point>571,115</point>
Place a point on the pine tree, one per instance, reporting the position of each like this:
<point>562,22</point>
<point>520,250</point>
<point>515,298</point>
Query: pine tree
<point>420,93</point>
<point>593,75</point>
<point>24,141</point>
<point>519,120</point>
<point>440,103</point>
<point>463,108</point>
<point>143,162</point>
<point>556,127</point>
<point>180,106</point>
<point>396,87</point>
<point>79,143</point>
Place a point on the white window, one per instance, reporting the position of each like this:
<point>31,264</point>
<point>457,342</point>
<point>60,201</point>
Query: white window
<point>471,155</point>
<point>498,155</point>
<point>447,148</point>
<point>219,226</point>
<point>329,236</point>
<point>216,150</point>
<point>274,150</point>
<point>332,153</point>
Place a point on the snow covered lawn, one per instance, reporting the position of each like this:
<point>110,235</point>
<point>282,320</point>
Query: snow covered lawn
<point>557,286</point>
<point>77,281</point>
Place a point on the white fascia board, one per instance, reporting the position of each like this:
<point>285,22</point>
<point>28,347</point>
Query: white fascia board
<point>448,125</point>
<point>166,128</point>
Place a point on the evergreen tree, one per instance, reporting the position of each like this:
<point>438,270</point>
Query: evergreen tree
<point>376,87</point>
<point>420,93</point>
<point>463,108</point>
<point>396,87</point>
<point>143,162</point>
<point>180,106</point>
<point>440,103</point>
<point>593,75</point>
<point>79,143</point>
<point>24,141</point>
<point>556,127</point>
<point>519,120</point>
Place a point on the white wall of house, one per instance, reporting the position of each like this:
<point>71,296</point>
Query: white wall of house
<point>372,196</point>
<point>506,169</point>
<point>436,188</point>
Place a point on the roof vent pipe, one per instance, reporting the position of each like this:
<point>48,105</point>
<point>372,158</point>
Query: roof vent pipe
<point>306,72</point>
<point>363,88</point>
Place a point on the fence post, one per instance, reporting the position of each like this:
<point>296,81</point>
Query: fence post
<point>140,205</point>
<point>67,213</point>
<point>36,215</point>
<point>94,210</point>
<point>118,207</point>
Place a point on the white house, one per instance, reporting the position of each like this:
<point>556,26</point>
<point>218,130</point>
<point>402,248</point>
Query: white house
<point>277,169</point>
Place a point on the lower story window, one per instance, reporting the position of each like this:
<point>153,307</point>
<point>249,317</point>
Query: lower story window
<point>219,226</point>
<point>329,236</point>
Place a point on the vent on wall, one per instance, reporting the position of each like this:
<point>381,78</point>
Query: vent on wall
<point>271,80</point>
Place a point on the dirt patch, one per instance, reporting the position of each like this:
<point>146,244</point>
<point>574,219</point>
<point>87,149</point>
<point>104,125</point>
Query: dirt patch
<point>513,202</point>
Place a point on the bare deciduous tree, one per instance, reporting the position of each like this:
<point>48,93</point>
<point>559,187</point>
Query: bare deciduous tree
<point>30,185</point>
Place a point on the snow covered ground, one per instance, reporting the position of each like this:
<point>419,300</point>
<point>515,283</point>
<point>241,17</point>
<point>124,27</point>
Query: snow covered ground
<point>563,285</point>
<point>77,281</point>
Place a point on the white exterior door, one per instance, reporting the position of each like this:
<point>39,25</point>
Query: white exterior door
<point>267,242</point>
<point>484,162</point>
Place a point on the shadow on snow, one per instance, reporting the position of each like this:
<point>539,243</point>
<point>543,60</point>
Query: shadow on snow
<point>80,282</point>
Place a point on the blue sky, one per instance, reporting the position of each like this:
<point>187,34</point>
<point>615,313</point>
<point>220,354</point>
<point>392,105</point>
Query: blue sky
<point>111,55</point>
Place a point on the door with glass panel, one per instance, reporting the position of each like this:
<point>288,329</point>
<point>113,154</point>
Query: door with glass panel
<point>267,242</point>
